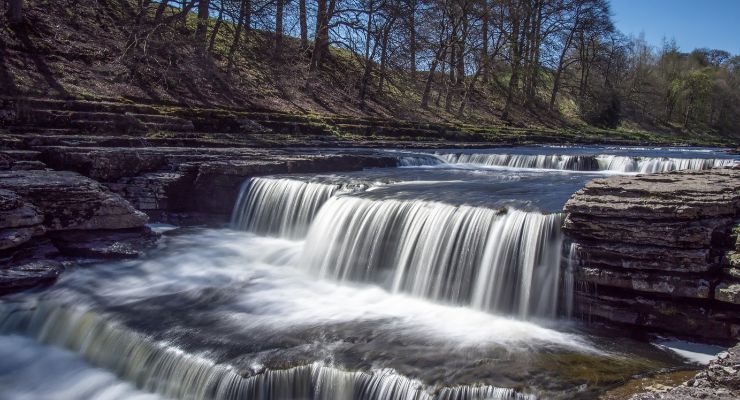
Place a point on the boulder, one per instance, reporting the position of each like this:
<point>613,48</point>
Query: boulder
<point>105,244</point>
<point>29,275</point>
<point>70,201</point>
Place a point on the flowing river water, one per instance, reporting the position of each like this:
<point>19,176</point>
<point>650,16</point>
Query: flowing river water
<point>446,278</point>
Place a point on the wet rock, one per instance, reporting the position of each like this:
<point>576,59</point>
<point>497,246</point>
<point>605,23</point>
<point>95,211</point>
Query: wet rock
<point>19,221</point>
<point>29,275</point>
<point>122,243</point>
<point>27,165</point>
<point>664,315</point>
<point>70,201</point>
<point>682,286</point>
<point>720,380</point>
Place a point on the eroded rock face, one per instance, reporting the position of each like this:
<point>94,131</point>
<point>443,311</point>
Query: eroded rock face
<point>656,251</point>
<point>51,216</point>
<point>71,201</point>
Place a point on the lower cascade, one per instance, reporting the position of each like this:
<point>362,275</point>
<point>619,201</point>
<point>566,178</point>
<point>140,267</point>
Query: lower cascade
<point>159,368</point>
<point>492,260</point>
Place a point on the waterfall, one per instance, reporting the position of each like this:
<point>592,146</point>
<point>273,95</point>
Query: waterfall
<point>279,206</point>
<point>555,161</point>
<point>651,165</point>
<point>167,370</point>
<point>569,279</point>
<point>493,260</point>
<point>417,160</point>
<point>645,165</point>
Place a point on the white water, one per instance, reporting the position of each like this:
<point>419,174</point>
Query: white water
<point>562,162</point>
<point>279,206</point>
<point>614,163</point>
<point>650,165</point>
<point>491,260</point>
<point>278,299</point>
<point>31,371</point>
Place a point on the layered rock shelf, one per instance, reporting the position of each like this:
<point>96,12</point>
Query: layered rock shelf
<point>660,252</point>
<point>48,218</point>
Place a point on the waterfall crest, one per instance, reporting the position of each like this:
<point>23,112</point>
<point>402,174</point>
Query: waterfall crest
<point>160,368</point>
<point>493,260</point>
<point>279,206</point>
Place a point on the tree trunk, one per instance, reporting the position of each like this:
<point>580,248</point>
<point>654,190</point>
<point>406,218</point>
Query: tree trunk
<point>460,81</point>
<point>279,28</point>
<point>216,28</point>
<point>247,19</point>
<point>484,42</point>
<point>412,37</point>
<point>453,59</point>
<point>237,35</point>
<point>368,59</point>
<point>561,65</point>
<point>515,55</point>
<point>15,12</point>
<point>428,85</point>
<point>202,27</point>
<point>303,23</point>
<point>322,35</point>
<point>466,94</point>
<point>384,53</point>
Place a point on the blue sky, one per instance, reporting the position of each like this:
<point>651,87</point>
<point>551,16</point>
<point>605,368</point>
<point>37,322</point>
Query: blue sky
<point>693,23</point>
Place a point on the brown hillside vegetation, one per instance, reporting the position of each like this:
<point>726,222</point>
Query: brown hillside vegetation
<point>124,50</point>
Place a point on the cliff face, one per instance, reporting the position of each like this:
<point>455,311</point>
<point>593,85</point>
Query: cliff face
<point>659,251</point>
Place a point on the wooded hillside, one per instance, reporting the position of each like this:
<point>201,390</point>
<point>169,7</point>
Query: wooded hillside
<point>555,63</point>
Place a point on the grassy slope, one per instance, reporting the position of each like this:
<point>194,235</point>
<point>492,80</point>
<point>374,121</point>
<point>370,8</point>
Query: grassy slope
<point>82,51</point>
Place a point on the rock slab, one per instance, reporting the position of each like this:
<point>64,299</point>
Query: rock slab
<point>658,251</point>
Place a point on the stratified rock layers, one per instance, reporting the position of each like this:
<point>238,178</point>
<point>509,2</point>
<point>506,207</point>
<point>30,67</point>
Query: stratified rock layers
<point>46,216</point>
<point>659,251</point>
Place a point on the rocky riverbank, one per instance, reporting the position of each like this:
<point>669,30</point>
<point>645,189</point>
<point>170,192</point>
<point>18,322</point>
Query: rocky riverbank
<point>659,252</point>
<point>720,380</point>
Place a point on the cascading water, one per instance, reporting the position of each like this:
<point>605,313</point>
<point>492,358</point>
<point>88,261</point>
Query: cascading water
<point>555,161</point>
<point>159,368</point>
<point>418,160</point>
<point>651,165</point>
<point>493,260</point>
<point>223,314</point>
<point>626,164</point>
<point>279,206</point>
